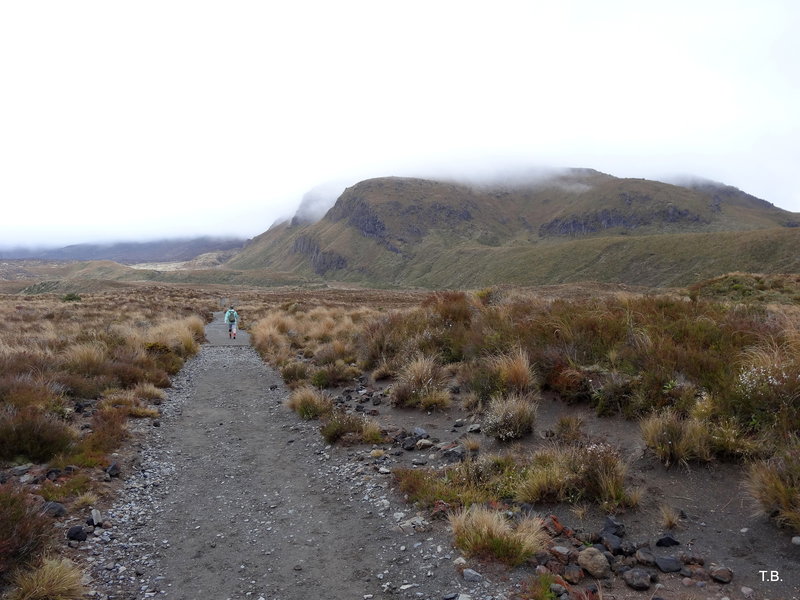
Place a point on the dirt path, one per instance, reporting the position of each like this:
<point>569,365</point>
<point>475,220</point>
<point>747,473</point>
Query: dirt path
<point>234,497</point>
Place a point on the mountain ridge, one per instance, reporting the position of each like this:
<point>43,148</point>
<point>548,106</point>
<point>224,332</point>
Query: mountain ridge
<point>410,231</point>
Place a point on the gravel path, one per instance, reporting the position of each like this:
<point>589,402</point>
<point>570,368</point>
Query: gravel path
<point>234,497</point>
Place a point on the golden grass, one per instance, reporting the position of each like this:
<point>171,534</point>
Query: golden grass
<point>514,371</point>
<point>670,518</point>
<point>487,534</point>
<point>54,579</point>
<point>309,403</point>
<point>775,484</point>
<point>421,382</point>
<point>675,439</point>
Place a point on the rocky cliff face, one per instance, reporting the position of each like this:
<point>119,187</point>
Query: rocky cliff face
<point>321,261</point>
<point>600,220</point>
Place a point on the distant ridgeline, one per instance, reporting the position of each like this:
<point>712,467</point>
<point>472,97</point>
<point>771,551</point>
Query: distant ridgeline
<point>573,225</point>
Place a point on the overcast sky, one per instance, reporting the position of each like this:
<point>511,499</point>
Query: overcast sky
<point>146,119</point>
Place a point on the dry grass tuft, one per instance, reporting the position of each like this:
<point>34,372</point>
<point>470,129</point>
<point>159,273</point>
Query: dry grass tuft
<point>309,403</point>
<point>421,382</point>
<point>54,579</point>
<point>775,484</point>
<point>487,534</point>
<point>670,518</point>
<point>674,439</point>
<point>510,417</point>
<point>514,371</point>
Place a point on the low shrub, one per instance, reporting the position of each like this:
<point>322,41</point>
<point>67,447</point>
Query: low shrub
<point>54,579</point>
<point>487,534</point>
<point>33,435</point>
<point>25,533</point>
<point>510,417</point>
<point>108,431</point>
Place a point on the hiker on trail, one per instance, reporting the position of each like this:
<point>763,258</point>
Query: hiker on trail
<point>231,318</point>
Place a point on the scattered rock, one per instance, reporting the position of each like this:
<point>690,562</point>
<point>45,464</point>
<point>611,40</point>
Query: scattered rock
<point>415,524</point>
<point>455,454</point>
<point>614,527</point>
<point>721,574</point>
<point>594,562</point>
<point>113,470</point>
<point>612,542</point>
<point>77,533</point>
<point>54,509</point>
<point>668,564</point>
<point>562,553</point>
<point>645,557</point>
<point>665,541</point>
<point>472,576</point>
<point>637,578</point>
<point>474,428</point>
<point>747,592</point>
<point>573,574</point>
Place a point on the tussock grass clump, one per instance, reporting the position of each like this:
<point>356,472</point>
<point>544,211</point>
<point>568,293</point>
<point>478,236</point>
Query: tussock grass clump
<point>294,372</point>
<point>676,439</point>
<point>54,579</point>
<point>510,417</point>
<point>86,358</point>
<point>669,516</point>
<point>309,403</point>
<point>24,532</point>
<point>421,383</point>
<point>514,371</point>
<point>333,374</point>
<point>346,428</point>
<point>569,430</point>
<point>149,391</point>
<point>486,533</point>
<point>32,434</point>
<point>573,474</point>
<point>775,484</point>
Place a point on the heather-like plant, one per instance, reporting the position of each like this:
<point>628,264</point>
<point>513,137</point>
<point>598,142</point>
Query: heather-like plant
<point>25,533</point>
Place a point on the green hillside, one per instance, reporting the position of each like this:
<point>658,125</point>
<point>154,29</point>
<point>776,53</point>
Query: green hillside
<point>578,225</point>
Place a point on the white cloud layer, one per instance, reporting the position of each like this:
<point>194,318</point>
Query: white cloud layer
<point>172,118</point>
